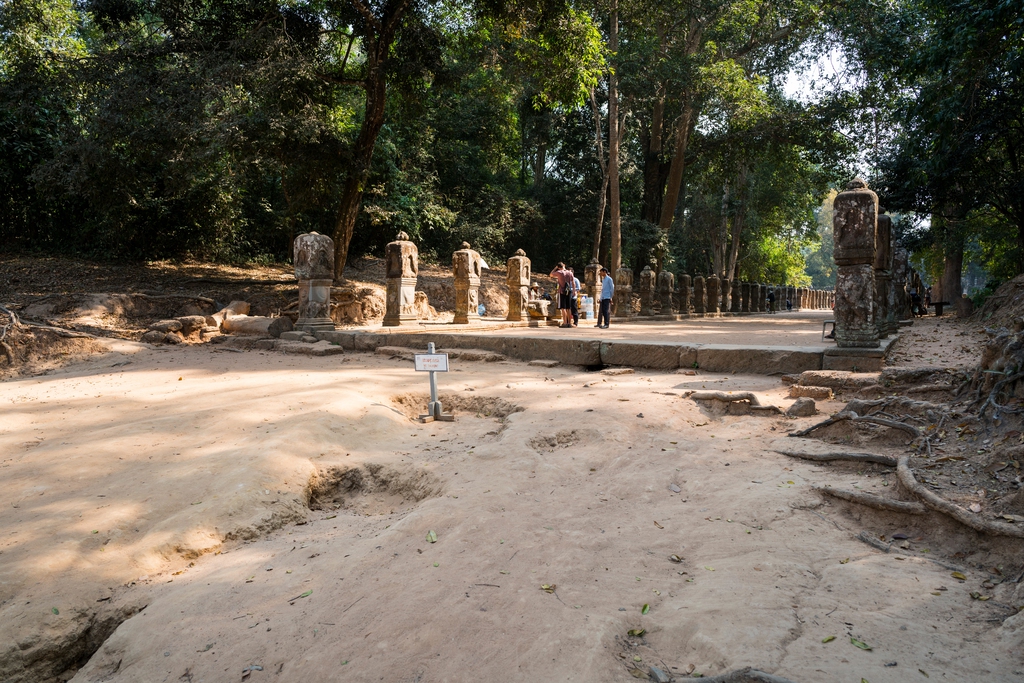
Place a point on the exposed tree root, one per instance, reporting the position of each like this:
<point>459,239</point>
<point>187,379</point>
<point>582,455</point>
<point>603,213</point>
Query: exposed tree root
<point>996,388</point>
<point>746,675</point>
<point>728,398</point>
<point>853,457</point>
<point>873,501</point>
<point>8,352</point>
<point>935,502</point>
<point>854,417</point>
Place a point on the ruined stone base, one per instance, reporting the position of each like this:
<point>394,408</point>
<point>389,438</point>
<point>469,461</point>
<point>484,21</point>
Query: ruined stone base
<point>857,360</point>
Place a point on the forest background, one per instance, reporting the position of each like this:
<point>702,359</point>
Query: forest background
<point>633,131</point>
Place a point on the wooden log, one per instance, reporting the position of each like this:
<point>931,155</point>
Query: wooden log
<point>257,325</point>
<point>871,500</point>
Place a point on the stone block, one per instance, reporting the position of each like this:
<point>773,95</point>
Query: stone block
<point>640,355</point>
<point>565,351</point>
<point>321,348</point>
<point>853,359</point>
<point>837,380</point>
<point>368,341</point>
<point>754,361</point>
<point>153,337</point>
<point>802,407</point>
<point>293,335</point>
<point>192,325</point>
<point>395,352</point>
<point>817,393</point>
<point>543,363</point>
<point>687,356</point>
<point>166,326</point>
<point>343,338</point>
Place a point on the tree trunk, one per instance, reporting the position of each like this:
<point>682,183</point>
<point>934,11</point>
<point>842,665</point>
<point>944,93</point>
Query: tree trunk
<point>613,143</point>
<point>737,227</point>
<point>720,236</point>
<point>373,119</point>
<point>603,201</point>
<point>675,171</point>
<point>654,167</point>
<point>953,264</point>
<point>600,217</point>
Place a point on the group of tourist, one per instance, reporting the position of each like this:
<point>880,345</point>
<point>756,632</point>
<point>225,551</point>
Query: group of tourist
<point>569,293</point>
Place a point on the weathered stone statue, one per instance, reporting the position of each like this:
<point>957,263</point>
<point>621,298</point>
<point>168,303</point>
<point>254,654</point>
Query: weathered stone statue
<point>854,222</point>
<point>737,296</point>
<point>592,280</point>
<point>666,285</point>
<point>714,294</point>
<point>645,288</point>
<point>885,297</point>
<point>745,295</point>
<point>314,269</point>
<point>900,270</point>
<point>467,266</point>
<point>762,298</point>
<point>518,279</point>
<point>700,301</point>
<point>401,260</point>
<point>685,294</point>
<point>726,294</point>
<point>623,297</point>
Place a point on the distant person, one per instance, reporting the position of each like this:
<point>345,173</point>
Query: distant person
<point>915,303</point>
<point>771,300</point>
<point>481,310</point>
<point>564,278</point>
<point>574,302</point>
<point>927,300</point>
<point>607,292</point>
<point>544,294</point>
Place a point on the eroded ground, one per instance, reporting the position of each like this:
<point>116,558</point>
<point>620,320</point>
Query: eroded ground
<point>272,511</point>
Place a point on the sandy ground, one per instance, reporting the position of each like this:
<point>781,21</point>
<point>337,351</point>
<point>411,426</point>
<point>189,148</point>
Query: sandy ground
<point>180,479</point>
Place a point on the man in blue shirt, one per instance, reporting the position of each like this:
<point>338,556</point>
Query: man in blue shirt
<point>607,292</point>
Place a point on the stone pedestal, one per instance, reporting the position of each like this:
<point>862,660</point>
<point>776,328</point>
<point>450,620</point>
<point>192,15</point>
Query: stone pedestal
<point>401,261</point>
<point>645,288</point>
<point>737,296</point>
<point>518,280</point>
<point>745,297</point>
<point>854,223</point>
<point>700,302</point>
<point>623,298</point>
<point>685,294</point>
<point>314,269</point>
<point>714,294</point>
<point>666,285</point>
<point>467,267</point>
<point>726,295</point>
<point>592,281</point>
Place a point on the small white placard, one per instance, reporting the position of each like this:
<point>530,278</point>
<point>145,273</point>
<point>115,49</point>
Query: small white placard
<point>431,362</point>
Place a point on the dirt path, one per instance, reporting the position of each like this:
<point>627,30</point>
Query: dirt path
<point>123,477</point>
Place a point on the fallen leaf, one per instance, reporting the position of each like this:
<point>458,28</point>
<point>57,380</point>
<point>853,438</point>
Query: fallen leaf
<point>925,673</point>
<point>636,632</point>
<point>645,609</point>
<point>844,561</point>
<point>431,536</point>
<point>304,595</point>
<point>978,596</point>
<point>55,610</point>
<point>675,558</point>
<point>959,575</point>
<point>710,569</point>
<point>437,564</point>
<point>658,525</point>
<point>548,588</point>
<point>860,643</point>
<point>828,639</point>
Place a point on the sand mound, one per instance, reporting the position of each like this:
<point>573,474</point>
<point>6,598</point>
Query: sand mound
<point>371,488</point>
<point>1005,306</point>
<point>482,406</point>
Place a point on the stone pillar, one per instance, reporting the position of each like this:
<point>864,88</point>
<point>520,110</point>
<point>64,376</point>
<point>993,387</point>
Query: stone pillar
<point>737,296</point>
<point>726,295</point>
<point>467,267</point>
<point>883,276</point>
<point>623,299</point>
<point>699,296</point>
<point>314,269</point>
<point>401,262</point>
<point>666,285</point>
<point>745,296</point>
<point>518,278</point>
<point>762,298</point>
<point>592,281</point>
<point>685,294</point>
<point>714,295</point>
<point>854,223</point>
<point>900,270</point>
<point>645,288</point>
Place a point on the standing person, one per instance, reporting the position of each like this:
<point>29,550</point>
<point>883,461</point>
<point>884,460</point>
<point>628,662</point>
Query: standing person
<point>771,299</point>
<point>564,278</point>
<point>927,300</point>
<point>574,302</point>
<point>607,292</point>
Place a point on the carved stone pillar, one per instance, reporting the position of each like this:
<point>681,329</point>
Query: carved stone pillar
<point>467,267</point>
<point>900,270</point>
<point>761,298</point>
<point>314,269</point>
<point>666,285</point>
<point>645,288</point>
<point>623,298</point>
<point>700,303</point>
<point>726,295</point>
<point>401,261</point>
<point>745,296</point>
<point>737,296</point>
<point>714,304</point>
<point>685,294</point>
<point>854,224</point>
<point>518,279</point>
<point>592,280</point>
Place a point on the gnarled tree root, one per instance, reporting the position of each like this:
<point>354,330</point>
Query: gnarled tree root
<point>854,417</point>
<point>906,477</point>
<point>873,501</point>
<point>746,675</point>
<point>852,457</point>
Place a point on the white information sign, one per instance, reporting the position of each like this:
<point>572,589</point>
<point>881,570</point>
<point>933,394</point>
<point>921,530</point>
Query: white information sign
<point>431,362</point>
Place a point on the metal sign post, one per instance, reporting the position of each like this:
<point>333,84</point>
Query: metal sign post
<point>433,362</point>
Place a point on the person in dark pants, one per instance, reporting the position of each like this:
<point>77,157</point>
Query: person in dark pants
<point>607,292</point>
<point>574,303</point>
<point>771,300</point>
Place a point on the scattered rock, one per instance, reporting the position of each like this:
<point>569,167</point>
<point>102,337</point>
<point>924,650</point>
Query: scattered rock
<point>802,407</point>
<point>659,676</point>
<point>173,338</point>
<point>817,393</point>
<point>166,326</point>
<point>192,326</point>
<point>154,337</point>
<point>617,371</point>
<point>543,363</point>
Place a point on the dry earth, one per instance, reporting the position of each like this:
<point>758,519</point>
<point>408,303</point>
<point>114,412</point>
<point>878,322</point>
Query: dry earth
<point>272,511</point>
